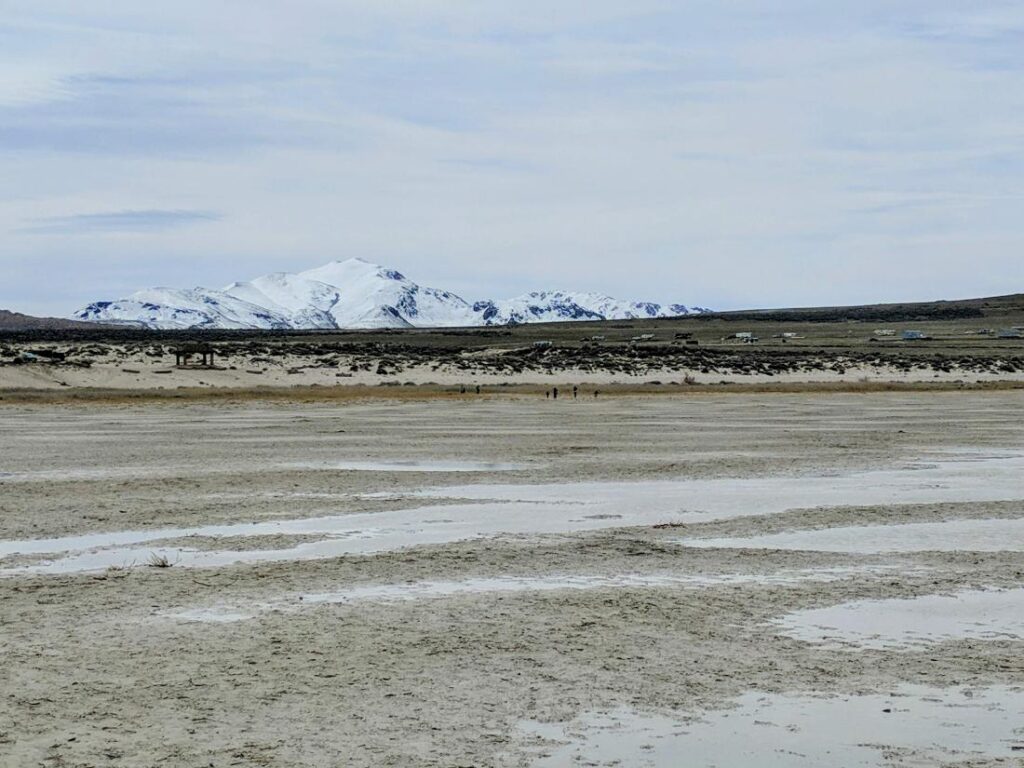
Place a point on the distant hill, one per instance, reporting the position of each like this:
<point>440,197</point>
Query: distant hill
<point>16,321</point>
<point>959,309</point>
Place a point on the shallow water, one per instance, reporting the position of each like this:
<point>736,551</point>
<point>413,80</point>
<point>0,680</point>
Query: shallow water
<point>912,622</point>
<point>966,535</point>
<point>411,466</point>
<point>489,510</point>
<point>970,476</point>
<point>796,731</point>
<point>422,590</point>
<point>69,474</point>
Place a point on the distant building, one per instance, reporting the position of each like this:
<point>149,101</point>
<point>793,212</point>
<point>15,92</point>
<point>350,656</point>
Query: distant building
<point>183,355</point>
<point>914,335</point>
<point>1009,333</point>
<point>541,344</point>
<point>885,332</point>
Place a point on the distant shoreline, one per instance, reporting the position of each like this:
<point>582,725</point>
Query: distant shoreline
<point>674,355</point>
<point>357,392</point>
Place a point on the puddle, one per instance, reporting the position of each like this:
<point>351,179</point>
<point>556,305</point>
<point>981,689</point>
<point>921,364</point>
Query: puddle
<point>338,528</point>
<point>150,472</point>
<point>490,510</point>
<point>412,466</point>
<point>212,615</point>
<point>952,535</point>
<point>991,478</point>
<point>105,473</point>
<point>436,589</point>
<point>913,725</point>
<point>422,590</point>
<point>912,622</point>
<point>243,496</point>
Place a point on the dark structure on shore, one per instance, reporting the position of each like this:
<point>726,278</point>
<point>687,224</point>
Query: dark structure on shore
<point>184,355</point>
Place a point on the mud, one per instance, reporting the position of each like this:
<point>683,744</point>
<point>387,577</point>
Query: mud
<point>504,649</point>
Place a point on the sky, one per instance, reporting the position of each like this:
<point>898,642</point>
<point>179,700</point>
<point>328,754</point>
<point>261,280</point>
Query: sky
<point>724,153</point>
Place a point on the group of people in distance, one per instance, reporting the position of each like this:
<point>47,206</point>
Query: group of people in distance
<point>552,394</point>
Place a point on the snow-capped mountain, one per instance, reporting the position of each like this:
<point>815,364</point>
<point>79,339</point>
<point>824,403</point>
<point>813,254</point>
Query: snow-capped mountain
<point>187,308</point>
<point>552,306</point>
<point>352,294</point>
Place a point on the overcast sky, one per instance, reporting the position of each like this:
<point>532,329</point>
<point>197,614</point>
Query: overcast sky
<point>728,153</point>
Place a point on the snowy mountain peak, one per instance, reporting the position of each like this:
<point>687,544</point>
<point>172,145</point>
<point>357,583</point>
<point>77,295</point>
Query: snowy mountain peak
<point>353,293</point>
<point>351,272</point>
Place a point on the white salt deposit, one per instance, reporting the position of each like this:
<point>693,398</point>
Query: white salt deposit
<point>912,622</point>
<point>930,726</point>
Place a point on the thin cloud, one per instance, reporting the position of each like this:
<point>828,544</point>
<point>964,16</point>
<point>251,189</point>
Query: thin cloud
<point>119,221</point>
<point>723,154</point>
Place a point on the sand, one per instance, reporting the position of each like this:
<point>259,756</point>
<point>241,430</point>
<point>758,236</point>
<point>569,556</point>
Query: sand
<point>292,373</point>
<point>504,649</point>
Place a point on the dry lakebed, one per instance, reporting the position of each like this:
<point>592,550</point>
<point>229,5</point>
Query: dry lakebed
<point>735,579</point>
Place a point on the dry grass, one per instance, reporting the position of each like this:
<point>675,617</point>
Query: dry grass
<point>159,561</point>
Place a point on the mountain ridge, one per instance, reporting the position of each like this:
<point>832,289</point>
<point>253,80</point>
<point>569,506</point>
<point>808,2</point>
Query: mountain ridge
<point>353,293</point>
<point>18,321</point>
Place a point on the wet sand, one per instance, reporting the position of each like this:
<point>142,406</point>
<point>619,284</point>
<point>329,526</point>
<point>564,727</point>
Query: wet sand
<point>507,581</point>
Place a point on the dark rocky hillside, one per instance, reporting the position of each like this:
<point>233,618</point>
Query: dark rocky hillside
<point>15,321</point>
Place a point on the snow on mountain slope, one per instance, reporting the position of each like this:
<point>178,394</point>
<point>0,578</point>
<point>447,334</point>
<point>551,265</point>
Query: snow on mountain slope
<point>352,294</point>
<point>189,308</point>
<point>306,303</point>
<point>554,306</point>
<point>366,289</point>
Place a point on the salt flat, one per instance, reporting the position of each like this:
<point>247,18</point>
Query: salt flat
<point>949,536</point>
<point>512,581</point>
<point>565,507</point>
<point>913,622</point>
<point>930,726</point>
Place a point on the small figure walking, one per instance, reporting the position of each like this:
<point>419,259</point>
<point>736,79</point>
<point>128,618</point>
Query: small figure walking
<point>462,389</point>
<point>575,391</point>
<point>595,394</point>
<point>478,389</point>
<point>547,393</point>
<point>554,393</point>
